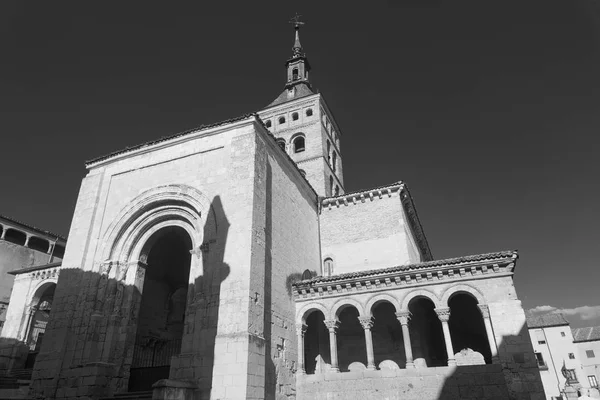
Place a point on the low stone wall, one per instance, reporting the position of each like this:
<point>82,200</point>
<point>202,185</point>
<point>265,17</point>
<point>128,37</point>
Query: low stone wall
<point>447,383</point>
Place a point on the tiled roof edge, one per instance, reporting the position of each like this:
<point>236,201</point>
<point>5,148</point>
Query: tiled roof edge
<point>512,254</point>
<point>96,160</point>
<point>33,227</point>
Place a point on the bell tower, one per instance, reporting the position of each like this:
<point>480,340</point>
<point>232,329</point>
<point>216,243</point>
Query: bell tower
<point>304,126</point>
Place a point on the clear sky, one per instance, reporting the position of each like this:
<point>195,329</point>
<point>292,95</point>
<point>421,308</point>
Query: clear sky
<point>488,110</point>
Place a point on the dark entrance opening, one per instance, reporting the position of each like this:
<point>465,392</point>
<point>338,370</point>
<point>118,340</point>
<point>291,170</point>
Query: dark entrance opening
<point>316,344</point>
<point>162,308</point>
<point>426,333</point>
<point>467,328</point>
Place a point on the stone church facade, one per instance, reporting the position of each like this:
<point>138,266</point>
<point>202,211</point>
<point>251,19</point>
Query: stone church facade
<point>228,262</point>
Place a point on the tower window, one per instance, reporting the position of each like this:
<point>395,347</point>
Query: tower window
<point>331,185</point>
<point>337,190</point>
<point>328,266</point>
<point>328,151</point>
<point>334,162</point>
<point>295,73</point>
<point>303,172</point>
<point>295,116</point>
<point>299,144</point>
<point>281,120</point>
<point>268,123</point>
<point>309,112</point>
<point>281,143</point>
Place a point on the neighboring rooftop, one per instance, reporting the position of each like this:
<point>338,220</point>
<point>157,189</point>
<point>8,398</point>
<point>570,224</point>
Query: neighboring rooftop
<point>33,228</point>
<point>298,91</point>
<point>546,320</point>
<point>586,334</point>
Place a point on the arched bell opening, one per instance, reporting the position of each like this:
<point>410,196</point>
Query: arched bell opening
<point>162,307</point>
<point>426,334</point>
<point>350,338</point>
<point>388,343</point>
<point>467,327</point>
<point>316,344</point>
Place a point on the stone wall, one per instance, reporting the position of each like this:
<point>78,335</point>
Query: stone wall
<point>447,383</point>
<point>369,234</point>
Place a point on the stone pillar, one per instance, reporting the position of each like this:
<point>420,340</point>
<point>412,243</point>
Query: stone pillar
<point>485,313</point>
<point>367,324</point>
<point>403,316</point>
<point>27,241</point>
<point>444,316</point>
<point>3,233</point>
<point>332,325</point>
<point>25,335</point>
<point>300,331</point>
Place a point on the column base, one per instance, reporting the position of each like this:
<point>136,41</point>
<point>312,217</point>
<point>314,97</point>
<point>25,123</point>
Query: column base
<point>451,362</point>
<point>495,360</point>
<point>371,368</point>
<point>334,369</point>
<point>301,372</point>
<point>410,365</point>
<point>170,389</point>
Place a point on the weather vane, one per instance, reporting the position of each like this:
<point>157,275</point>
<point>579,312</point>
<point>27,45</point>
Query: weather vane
<point>296,21</point>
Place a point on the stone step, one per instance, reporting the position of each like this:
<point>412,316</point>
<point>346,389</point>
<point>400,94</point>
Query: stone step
<point>144,395</point>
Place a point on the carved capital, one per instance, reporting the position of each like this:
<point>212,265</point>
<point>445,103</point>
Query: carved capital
<point>301,329</point>
<point>403,316</point>
<point>105,267</point>
<point>443,314</point>
<point>332,324</point>
<point>484,309</point>
<point>366,322</point>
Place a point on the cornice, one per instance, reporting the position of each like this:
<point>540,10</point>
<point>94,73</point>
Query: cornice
<point>442,271</point>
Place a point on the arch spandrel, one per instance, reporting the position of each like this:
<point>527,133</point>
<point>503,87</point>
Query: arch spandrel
<point>462,288</point>
<point>420,293</point>
<point>382,297</point>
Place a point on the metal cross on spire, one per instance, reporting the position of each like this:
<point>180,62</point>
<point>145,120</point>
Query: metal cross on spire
<point>296,21</point>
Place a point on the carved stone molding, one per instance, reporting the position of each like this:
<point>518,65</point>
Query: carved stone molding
<point>301,329</point>
<point>443,314</point>
<point>332,324</point>
<point>403,316</point>
<point>366,322</point>
<point>484,309</point>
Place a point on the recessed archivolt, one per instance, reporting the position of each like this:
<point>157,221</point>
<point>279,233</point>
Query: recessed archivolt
<point>343,303</point>
<point>382,297</point>
<point>40,290</point>
<point>308,309</point>
<point>420,293</point>
<point>462,288</point>
<point>182,205</point>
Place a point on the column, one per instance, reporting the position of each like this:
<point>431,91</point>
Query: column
<point>3,233</point>
<point>403,316</point>
<point>485,313</point>
<point>444,316</point>
<point>332,325</point>
<point>300,331</point>
<point>27,241</point>
<point>367,324</point>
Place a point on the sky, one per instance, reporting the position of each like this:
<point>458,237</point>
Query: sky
<point>489,111</point>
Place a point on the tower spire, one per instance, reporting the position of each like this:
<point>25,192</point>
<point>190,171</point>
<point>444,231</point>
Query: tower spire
<point>297,49</point>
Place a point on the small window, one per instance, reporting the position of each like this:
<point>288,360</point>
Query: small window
<point>593,381</point>
<point>268,123</point>
<point>563,334</point>
<point>281,144</point>
<point>334,161</point>
<point>590,353</point>
<point>299,144</point>
<point>541,342</point>
<point>337,190</point>
<point>571,356</point>
<point>303,172</point>
<point>306,275</point>
<point>309,112</point>
<point>295,73</point>
<point>331,185</point>
<point>540,360</point>
<point>282,120</point>
<point>328,267</point>
<point>295,116</point>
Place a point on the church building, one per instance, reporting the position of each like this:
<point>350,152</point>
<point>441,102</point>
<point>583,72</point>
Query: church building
<point>229,262</point>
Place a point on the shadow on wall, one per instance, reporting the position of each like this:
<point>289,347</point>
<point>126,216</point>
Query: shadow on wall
<point>89,343</point>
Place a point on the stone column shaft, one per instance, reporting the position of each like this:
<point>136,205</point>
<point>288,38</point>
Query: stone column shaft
<point>403,317</point>
<point>444,316</point>
<point>485,312</point>
<point>367,324</point>
<point>301,330</point>
<point>332,325</point>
